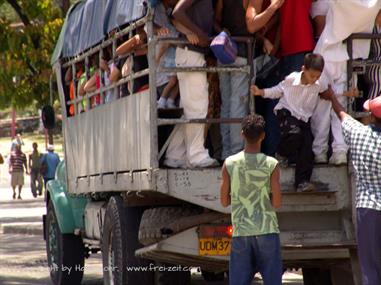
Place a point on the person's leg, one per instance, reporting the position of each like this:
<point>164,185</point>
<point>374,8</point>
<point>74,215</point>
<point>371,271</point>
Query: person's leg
<point>269,259</point>
<point>339,147</point>
<point>320,123</point>
<point>33,178</point>
<point>305,156</point>
<point>338,143</point>
<point>194,98</point>
<point>226,91</point>
<point>14,191</point>
<point>176,151</point>
<point>40,182</point>
<point>239,104</point>
<point>290,134</point>
<point>242,261</point>
<point>20,188</point>
<point>369,245</point>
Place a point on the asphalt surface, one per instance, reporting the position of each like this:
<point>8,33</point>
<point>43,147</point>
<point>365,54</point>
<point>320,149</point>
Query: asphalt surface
<point>22,248</point>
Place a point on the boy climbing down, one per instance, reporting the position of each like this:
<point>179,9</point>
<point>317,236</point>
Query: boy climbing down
<point>299,95</point>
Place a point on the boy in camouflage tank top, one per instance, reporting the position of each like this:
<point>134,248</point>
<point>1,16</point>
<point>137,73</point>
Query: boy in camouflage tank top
<point>250,183</point>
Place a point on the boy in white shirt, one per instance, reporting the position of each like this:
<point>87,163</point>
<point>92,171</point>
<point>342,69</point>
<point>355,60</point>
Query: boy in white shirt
<point>299,95</point>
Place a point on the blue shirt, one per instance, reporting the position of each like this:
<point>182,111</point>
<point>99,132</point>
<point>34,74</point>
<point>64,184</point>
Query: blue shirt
<point>51,161</point>
<point>365,147</point>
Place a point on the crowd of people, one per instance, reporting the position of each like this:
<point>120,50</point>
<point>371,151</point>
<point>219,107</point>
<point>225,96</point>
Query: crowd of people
<point>285,32</point>
<point>40,167</point>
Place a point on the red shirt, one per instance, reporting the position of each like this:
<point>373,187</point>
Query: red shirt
<point>296,34</point>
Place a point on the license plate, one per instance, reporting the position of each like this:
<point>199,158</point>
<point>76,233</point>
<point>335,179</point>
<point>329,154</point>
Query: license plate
<point>214,246</point>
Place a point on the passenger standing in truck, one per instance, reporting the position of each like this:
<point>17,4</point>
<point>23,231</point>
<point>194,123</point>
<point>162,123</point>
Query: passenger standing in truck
<point>332,47</point>
<point>365,147</point>
<point>374,71</point>
<point>250,183</point>
<point>298,95</point>
<point>186,148</point>
<point>232,17</point>
<point>262,18</point>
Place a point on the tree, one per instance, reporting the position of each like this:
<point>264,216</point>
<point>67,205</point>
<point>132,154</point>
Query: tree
<point>28,32</point>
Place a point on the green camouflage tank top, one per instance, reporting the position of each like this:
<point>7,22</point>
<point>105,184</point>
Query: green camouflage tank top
<point>252,211</point>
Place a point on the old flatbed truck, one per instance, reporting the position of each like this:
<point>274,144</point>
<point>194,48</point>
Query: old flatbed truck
<point>111,193</point>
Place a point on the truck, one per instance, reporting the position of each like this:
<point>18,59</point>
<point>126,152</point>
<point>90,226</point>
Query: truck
<point>112,194</point>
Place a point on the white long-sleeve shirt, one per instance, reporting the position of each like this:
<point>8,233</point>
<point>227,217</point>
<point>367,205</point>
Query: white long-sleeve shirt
<point>296,97</point>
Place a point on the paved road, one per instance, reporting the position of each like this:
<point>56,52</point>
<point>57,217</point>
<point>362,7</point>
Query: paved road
<point>23,258</point>
<point>23,261</point>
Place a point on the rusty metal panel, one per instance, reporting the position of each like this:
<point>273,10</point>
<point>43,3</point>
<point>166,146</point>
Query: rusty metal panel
<point>114,137</point>
<point>198,186</point>
<point>202,187</point>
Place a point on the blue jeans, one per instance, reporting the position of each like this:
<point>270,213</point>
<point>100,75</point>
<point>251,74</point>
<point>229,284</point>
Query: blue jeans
<point>234,88</point>
<point>253,254</point>
<point>265,107</point>
<point>369,245</point>
<point>291,63</point>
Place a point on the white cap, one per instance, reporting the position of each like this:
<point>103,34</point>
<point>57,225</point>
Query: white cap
<point>50,147</point>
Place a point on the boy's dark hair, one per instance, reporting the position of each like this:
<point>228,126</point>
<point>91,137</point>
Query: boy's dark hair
<point>314,61</point>
<point>252,127</point>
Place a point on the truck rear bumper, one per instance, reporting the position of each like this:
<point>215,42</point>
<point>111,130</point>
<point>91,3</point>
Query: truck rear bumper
<point>183,249</point>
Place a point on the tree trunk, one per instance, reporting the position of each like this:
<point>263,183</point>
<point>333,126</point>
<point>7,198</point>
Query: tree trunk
<point>64,6</point>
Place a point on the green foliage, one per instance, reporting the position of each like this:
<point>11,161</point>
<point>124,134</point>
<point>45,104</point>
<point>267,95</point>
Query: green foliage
<point>25,50</point>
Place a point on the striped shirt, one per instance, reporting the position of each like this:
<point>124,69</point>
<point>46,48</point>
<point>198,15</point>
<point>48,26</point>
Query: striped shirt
<point>365,147</point>
<point>296,97</point>
<point>18,160</point>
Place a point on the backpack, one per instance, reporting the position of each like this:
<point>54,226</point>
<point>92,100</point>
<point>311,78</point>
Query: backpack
<point>224,48</point>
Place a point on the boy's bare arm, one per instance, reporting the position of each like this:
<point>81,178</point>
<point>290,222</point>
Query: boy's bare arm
<point>225,187</point>
<point>218,16</point>
<point>255,91</point>
<point>179,13</point>
<point>256,19</point>
<point>276,199</point>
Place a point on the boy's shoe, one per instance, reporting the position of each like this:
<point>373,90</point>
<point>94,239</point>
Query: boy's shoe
<point>14,196</point>
<point>305,187</point>
<point>338,158</point>
<point>321,158</point>
<point>282,160</point>
<point>170,104</point>
<point>206,162</point>
<point>174,163</point>
<point>161,103</point>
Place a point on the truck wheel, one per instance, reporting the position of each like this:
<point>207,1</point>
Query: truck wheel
<point>171,277</point>
<point>155,219</point>
<point>64,251</point>
<point>119,242</point>
<point>212,276</point>
<point>316,276</point>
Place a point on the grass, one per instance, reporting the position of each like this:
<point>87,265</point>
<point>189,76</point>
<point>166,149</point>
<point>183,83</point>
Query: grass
<point>29,138</point>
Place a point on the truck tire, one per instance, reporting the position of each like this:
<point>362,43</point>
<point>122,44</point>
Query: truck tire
<point>212,276</point>
<point>119,242</point>
<point>153,220</point>
<point>171,277</point>
<point>316,276</point>
<point>63,251</point>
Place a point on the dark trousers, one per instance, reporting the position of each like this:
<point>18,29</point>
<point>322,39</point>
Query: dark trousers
<point>296,144</point>
<point>369,245</point>
<point>252,254</point>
